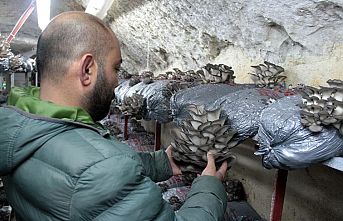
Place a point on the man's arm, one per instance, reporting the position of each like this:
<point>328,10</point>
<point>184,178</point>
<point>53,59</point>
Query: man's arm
<point>156,165</point>
<point>116,189</point>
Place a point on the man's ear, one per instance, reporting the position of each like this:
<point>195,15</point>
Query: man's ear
<point>88,69</point>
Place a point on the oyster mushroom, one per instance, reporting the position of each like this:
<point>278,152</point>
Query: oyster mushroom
<point>213,73</point>
<point>267,75</point>
<point>177,74</point>
<point>111,127</point>
<point>147,80</point>
<point>8,60</point>
<point>16,63</point>
<point>146,74</point>
<point>162,77</point>
<point>323,107</point>
<point>205,131</point>
<point>5,50</point>
<point>335,83</point>
<point>147,77</point>
<point>132,105</point>
<point>134,80</point>
<point>123,74</point>
<point>114,107</point>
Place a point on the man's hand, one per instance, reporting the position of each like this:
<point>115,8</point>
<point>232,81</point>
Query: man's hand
<point>211,170</point>
<point>175,168</point>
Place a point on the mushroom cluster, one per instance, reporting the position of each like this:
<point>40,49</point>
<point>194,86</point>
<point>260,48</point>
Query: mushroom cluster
<point>9,61</point>
<point>175,202</point>
<point>5,209</point>
<point>205,131</point>
<point>323,106</point>
<point>235,190</point>
<point>123,74</point>
<point>136,126</point>
<point>132,105</point>
<point>134,80</point>
<point>177,74</point>
<point>16,63</point>
<point>210,73</point>
<point>216,73</point>
<point>267,75</point>
<point>111,127</point>
<point>147,77</point>
<point>5,50</point>
<point>114,107</point>
<point>175,86</point>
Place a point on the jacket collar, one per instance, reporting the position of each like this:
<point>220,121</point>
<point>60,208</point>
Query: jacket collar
<point>27,99</point>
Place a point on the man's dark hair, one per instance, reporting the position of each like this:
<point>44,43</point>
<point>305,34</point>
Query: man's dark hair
<point>66,39</point>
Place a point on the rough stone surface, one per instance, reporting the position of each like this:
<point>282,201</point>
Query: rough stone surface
<point>305,37</point>
<point>158,35</point>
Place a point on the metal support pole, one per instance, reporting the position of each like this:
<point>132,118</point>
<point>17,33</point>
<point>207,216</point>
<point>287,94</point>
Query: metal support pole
<point>157,135</point>
<point>12,80</point>
<point>278,195</point>
<point>126,130</point>
<point>36,79</point>
<point>26,79</point>
<point>8,82</point>
<point>21,21</point>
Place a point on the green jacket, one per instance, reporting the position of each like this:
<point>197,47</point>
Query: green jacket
<point>57,164</point>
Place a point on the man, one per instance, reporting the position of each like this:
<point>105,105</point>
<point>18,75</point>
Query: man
<point>58,164</point>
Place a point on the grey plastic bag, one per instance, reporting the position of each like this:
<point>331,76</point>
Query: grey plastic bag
<point>205,94</point>
<point>243,109</point>
<point>157,96</point>
<point>286,144</point>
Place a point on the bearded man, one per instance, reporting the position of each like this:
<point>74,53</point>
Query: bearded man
<point>59,164</point>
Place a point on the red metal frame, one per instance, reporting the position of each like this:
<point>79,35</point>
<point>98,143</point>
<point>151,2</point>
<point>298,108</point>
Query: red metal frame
<point>157,135</point>
<point>126,130</point>
<point>278,195</point>
<point>21,21</point>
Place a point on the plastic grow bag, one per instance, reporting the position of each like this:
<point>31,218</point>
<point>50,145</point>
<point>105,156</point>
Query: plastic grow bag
<point>286,144</point>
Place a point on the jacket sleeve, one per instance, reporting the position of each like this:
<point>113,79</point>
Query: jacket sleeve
<point>156,165</point>
<point>207,200</point>
<point>117,189</point>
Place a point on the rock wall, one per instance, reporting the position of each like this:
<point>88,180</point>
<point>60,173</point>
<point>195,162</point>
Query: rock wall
<point>304,36</point>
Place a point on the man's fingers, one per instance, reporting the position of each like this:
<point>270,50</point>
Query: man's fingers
<point>222,171</point>
<point>169,149</point>
<point>211,168</point>
<point>210,160</point>
<point>223,168</point>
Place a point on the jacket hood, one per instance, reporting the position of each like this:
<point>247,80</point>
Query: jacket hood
<point>28,122</point>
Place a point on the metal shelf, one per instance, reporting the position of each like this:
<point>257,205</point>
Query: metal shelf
<point>335,163</point>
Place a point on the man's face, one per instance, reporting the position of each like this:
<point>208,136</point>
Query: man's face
<point>98,101</point>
